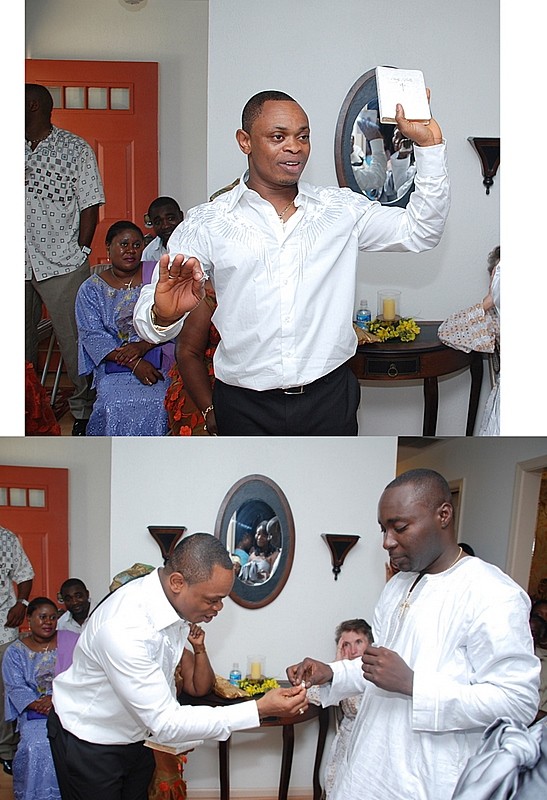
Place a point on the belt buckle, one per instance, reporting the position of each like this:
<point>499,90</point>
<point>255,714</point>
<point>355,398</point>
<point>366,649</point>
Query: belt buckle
<point>294,390</point>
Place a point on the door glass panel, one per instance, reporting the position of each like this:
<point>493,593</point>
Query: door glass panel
<point>36,498</point>
<point>3,496</point>
<point>17,497</point>
<point>56,93</point>
<point>75,97</point>
<point>119,99</point>
<point>97,97</point>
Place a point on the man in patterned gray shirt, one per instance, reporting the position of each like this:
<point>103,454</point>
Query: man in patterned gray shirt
<point>15,570</point>
<point>63,194</point>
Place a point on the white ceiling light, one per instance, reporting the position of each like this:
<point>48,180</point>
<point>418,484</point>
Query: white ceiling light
<point>133,5</point>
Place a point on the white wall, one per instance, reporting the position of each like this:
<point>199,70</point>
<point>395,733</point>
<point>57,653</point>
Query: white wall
<point>315,51</point>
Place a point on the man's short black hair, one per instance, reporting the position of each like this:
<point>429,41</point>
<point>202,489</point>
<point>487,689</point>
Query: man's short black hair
<point>195,557</point>
<point>253,107</point>
<point>72,582</point>
<point>430,487</point>
<point>162,201</point>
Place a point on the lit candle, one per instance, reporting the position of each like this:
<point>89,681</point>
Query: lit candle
<point>388,309</point>
<point>256,670</point>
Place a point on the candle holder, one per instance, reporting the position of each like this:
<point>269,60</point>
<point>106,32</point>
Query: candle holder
<point>256,668</point>
<point>388,305</point>
<point>339,545</point>
<point>167,537</point>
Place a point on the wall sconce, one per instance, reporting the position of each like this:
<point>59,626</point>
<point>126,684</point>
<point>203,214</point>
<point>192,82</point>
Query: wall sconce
<point>339,545</point>
<point>488,151</point>
<point>167,537</point>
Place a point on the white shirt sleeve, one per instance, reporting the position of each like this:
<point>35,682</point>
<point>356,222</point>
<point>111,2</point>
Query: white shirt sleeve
<point>420,225</point>
<point>503,675</point>
<point>347,680</point>
<point>139,683</point>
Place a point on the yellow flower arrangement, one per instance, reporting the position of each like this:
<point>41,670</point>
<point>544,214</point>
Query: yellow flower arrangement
<point>258,687</point>
<point>404,329</point>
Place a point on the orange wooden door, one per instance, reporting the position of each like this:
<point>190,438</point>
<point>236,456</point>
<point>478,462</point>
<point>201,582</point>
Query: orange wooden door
<point>113,105</point>
<point>34,506</point>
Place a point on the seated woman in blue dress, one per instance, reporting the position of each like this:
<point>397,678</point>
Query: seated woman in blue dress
<point>129,375</point>
<point>28,669</point>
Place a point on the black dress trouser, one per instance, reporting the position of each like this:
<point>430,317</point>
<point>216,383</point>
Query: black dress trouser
<point>87,771</point>
<point>326,407</point>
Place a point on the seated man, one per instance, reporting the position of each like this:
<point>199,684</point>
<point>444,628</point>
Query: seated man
<point>74,594</point>
<point>164,215</point>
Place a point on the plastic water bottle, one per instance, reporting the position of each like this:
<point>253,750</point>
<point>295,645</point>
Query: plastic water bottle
<point>235,675</point>
<point>363,316</point>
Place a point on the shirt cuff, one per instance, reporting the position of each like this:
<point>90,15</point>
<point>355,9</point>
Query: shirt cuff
<point>244,715</point>
<point>431,161</point>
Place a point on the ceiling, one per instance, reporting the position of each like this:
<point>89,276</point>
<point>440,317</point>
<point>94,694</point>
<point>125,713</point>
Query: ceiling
<point>409,446</point>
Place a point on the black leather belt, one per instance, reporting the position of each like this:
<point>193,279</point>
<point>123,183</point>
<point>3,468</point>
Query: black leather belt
<point>295,389</point>
<point>307,387</point>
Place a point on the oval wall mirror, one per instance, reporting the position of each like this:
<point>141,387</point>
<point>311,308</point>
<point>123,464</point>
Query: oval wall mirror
<point>256,526</point>
<point>350,146</point>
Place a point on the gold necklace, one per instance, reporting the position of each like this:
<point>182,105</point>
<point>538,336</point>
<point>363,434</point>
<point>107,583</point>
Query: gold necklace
<point>285,211</point>
<point>125,285</point>
<point>44,649</point>
<point>405,605</point>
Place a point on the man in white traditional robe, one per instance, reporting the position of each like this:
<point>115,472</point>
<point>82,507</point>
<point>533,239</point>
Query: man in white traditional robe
<point>452,653</point>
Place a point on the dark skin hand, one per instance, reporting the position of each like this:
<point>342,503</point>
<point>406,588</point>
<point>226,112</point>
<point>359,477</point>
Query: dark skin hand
<point>383,667</point>
<point>421,134</point>
<point>179,288</point>
<point>42,705</point>
<point>16,614</point>
<point>129,353</point>
<point>147,373</point>
<point>88,222</point>
<point>312,672</point>
<point>387,670</point>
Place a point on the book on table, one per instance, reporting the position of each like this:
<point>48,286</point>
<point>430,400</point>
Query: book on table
<point>404,86</point>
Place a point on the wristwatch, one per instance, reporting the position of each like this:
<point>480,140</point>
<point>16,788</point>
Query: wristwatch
<point>23,600</point>
<point>85,249</point>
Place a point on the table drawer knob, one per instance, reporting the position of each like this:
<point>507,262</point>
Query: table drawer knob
<point>397,368</point>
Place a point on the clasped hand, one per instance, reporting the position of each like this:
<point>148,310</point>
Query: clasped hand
<point>387,670</point>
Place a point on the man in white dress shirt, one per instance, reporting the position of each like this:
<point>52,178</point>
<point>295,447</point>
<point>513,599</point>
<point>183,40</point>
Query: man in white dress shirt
<point>75,596</point>
<point>282,256</point>
<point>120,690</point>
<point>452,653</point>
<point>164,215</point>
